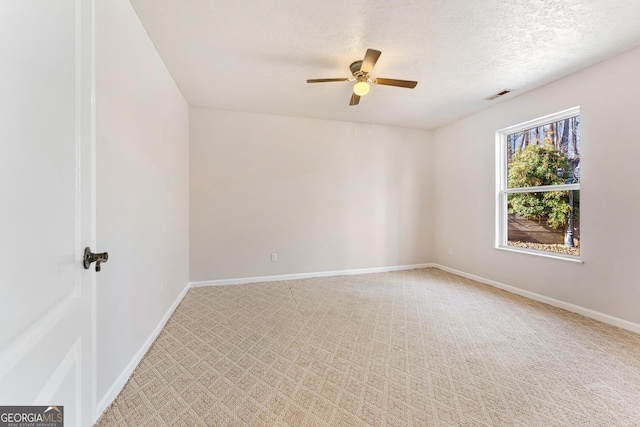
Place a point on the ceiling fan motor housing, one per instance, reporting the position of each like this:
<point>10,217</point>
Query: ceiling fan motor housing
<point>355,70</point>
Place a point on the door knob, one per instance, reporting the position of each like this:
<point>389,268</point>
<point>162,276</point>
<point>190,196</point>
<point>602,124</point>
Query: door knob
<point>90,257</point>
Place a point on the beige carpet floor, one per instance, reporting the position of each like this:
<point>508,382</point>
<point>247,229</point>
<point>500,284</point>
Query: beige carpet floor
<point>408,348</point>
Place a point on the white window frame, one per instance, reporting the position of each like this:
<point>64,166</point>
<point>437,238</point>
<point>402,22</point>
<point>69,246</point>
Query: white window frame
<point>501,183</point>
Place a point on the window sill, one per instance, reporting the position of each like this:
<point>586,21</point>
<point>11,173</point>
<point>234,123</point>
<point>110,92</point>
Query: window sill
<point>551,255</point>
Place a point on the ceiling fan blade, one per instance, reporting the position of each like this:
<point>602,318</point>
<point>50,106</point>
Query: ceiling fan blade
<point>355,99</point>
<point>326,80</point>
<point>370,59</point>
<point>393,82</point>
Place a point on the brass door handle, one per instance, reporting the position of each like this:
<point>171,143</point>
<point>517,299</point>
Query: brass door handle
<point>90,257</point>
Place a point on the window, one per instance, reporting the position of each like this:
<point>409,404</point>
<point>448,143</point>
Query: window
<point>538,186</point>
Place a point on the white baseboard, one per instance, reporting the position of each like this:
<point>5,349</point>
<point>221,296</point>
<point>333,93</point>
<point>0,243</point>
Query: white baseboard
<point>122,379</point>
<point>258,279</point>
<point>592,314</point>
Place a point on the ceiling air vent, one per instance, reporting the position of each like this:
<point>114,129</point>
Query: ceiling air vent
<point>498,95</point>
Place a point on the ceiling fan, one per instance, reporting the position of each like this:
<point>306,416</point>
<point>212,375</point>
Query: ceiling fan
<point>361,71</point>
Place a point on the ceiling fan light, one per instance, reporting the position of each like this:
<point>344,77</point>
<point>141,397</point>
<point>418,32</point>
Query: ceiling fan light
<point>361,88</point>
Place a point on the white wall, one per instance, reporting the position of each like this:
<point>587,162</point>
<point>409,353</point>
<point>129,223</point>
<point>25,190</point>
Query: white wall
<point>308,190</point>
<point>142,190</point>
<point>464,192</point>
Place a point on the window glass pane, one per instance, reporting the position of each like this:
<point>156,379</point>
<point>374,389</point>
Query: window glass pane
<point>545,155</point>
<point>541,221</point>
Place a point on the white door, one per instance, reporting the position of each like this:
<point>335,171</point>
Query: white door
<point>46,206</point>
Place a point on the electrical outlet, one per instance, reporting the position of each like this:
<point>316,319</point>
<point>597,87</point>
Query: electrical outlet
<point>161,288</point>
<point>450,251</point>
<point>274,257</point>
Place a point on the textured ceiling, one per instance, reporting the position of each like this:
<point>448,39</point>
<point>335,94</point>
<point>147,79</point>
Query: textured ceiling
<point>255,56</point>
